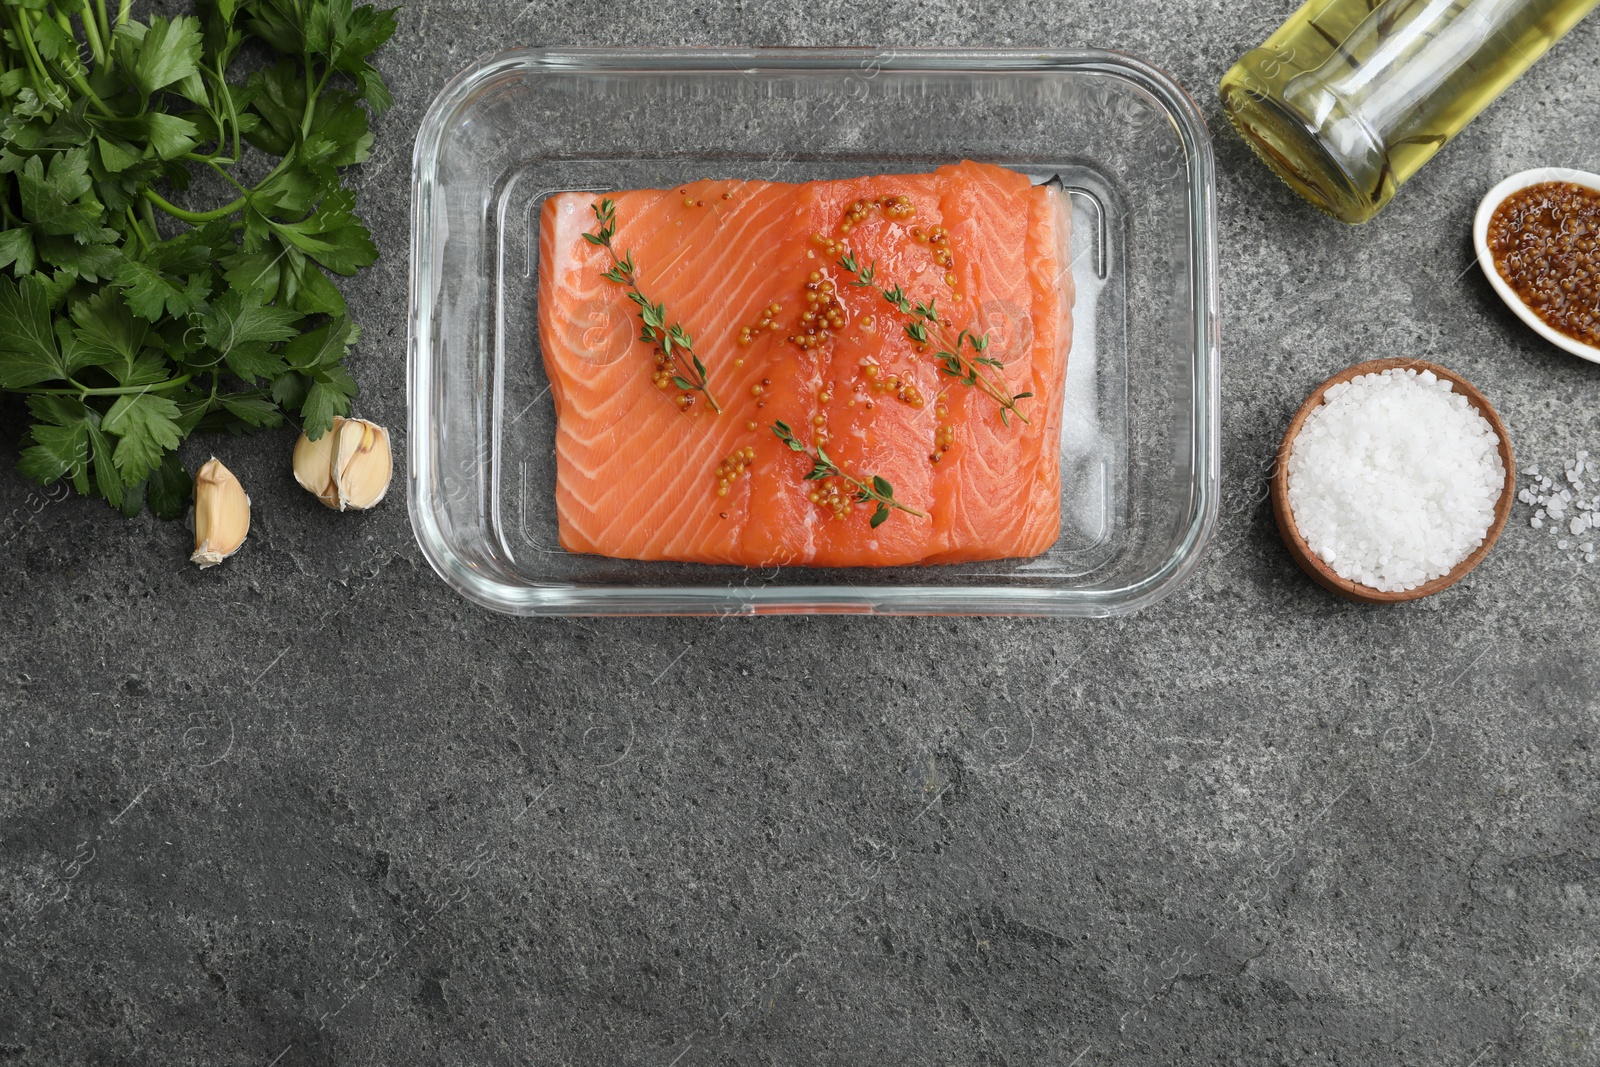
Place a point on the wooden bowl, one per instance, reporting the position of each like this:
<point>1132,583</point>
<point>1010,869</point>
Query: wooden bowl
<point>1320,571</point>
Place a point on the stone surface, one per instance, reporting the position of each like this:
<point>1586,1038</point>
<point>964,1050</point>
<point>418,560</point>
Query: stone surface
<point>312,808</point>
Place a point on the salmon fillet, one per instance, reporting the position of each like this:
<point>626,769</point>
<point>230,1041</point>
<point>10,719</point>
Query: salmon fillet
<point>640,477</point>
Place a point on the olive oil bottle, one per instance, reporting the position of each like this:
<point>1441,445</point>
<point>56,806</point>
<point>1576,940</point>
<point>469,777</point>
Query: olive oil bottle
<point>1350,97</point>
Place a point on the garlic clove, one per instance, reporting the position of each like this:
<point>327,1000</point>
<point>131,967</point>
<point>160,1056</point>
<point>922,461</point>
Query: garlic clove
<point>349,467</point>
<point>221,514</point>
<point>313,467</point>
<point>364,464</point>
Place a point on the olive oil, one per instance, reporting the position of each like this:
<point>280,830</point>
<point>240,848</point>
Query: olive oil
<point>1350,97</point>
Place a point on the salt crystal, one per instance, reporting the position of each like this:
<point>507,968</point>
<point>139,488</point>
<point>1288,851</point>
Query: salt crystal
<point>1394,478</point>
<point>1572,509</point>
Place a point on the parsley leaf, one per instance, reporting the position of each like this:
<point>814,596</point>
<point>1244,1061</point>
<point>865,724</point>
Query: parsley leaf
<point>28,351</point>
<point>89,262</point>
<point>169,489</point>
<point>106,330</point>
<point>327,386</point>
<point>170,136</point>
<point>239,317</point>
<point>162,53</point>
<point>60,441</point>
<point>145,425</point>
<point>106,479</point>
<point>252,408</point>
<point>333,236</point>
<point>153,296</point>
<point>59,199</point>
<point>16,247</point>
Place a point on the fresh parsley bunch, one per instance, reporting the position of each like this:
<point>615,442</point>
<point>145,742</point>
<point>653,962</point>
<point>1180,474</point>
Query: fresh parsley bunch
<point>129,321</point>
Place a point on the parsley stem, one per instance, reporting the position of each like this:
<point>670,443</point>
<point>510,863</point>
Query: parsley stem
<point>138,231</point>
<point>78,82</point>
<point>70,74</point>
<point>196,218</point>
<point>201,217</point>
<point>91,29</point>
<point>122,10</point>
<point>233,114</point>
<point>116,390</point>
<point>311,98</point>
<point>23,28</point>
<point>229,178</point>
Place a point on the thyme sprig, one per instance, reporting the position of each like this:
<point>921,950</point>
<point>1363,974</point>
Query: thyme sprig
<point>926,327</point>
<point>874,489</point>
<point>672,339</point>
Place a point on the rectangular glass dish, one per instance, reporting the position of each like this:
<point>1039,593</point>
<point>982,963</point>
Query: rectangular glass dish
<point>1139,453</point>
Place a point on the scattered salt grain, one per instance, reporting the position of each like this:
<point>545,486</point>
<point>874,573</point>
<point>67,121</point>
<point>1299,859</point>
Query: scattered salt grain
<point>1573,510</point>
<point>1394,478</point>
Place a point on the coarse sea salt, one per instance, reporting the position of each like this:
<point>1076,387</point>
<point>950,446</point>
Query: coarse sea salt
<point>1393,479</point>
<point>1552,503</point>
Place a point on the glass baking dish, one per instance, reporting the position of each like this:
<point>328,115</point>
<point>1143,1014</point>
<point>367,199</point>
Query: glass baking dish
<point>1139,444</point>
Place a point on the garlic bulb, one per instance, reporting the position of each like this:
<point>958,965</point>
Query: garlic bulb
<point>347,468</point>
<point>221,514</point>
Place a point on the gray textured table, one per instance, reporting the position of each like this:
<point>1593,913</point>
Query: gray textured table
<point>312,808</point>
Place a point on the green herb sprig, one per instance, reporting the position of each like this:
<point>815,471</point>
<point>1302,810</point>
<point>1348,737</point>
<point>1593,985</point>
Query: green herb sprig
<point>926,327</point>
<point>673,339</point>
<point>129,321</point>
<point>873,489</point>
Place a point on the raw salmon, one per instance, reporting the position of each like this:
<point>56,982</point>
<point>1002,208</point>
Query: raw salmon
<point>647,470</point>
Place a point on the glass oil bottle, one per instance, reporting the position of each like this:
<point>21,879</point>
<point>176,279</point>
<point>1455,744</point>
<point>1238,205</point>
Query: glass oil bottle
<point>1350,97</point>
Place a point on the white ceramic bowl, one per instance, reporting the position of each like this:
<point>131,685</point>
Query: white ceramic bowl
<point>1480,242</point>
